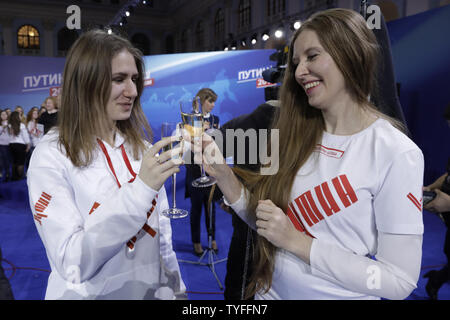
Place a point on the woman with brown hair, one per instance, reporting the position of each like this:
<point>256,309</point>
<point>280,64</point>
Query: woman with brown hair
<point>96,185</point>
<point>36,131</point>
<point>199,196</point>
<point>19,109</point>
<point>342,216</point>
<point>19,144</point>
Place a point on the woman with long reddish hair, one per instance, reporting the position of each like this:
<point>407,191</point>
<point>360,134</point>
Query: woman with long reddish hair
<point>342,217</point>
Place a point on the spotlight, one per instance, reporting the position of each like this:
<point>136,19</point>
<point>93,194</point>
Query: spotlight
<point>109,30</point>
<point>254,39</point>
<point>123,21</point>
<point>265,36</point>
<point>297,25</point>
<point>129,11</point>
<point>279,33</point>
<point>243,43</point>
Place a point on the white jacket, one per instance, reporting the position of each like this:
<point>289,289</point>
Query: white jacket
<point>101,226</point>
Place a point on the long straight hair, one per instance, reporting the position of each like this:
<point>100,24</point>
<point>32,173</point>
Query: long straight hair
<point>352,45</point>
<point>87,79</point>
<point>15,121</point>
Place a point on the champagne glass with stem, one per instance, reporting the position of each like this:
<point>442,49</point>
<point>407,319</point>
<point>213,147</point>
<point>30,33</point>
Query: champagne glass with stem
<point>192,117</point>
<point>169,129</point>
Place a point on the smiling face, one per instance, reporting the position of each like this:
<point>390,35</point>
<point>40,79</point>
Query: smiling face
<point>316,72</point>
<point>123,87</point>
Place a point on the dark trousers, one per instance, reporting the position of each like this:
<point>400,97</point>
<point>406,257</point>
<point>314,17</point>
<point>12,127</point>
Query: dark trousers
<point>18,153</point>
<point>239,263</point>
<point>199,198</point>
<point>5,287</point>
<point>5,162</point>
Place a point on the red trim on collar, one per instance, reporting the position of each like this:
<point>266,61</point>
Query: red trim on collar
<point>125,159</point>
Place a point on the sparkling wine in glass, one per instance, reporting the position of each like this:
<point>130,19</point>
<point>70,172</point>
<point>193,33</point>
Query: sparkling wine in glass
<point>169,129</point>
<point>192,117</point>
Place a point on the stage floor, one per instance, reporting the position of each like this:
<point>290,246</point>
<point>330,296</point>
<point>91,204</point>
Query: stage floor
<point>27,267</point>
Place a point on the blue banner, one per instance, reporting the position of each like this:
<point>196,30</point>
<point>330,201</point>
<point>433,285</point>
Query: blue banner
<point>236,76</point>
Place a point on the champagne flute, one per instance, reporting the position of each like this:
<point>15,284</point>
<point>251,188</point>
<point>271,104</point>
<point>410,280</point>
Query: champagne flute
<point>192,117</point>
<point>169,129</point>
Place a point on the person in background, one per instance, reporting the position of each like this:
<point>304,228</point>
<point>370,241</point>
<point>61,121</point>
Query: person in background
<point>49,118</point>
<point>42,110</point>
<point>440,204</point>
<point>346,185</point>
<point>240,253</point>
<point>5,154</point>
<point>35,130</point>
<point>199,196</point>
<point>19,145</point>
<point>96,184</point>
<point>23,119</point>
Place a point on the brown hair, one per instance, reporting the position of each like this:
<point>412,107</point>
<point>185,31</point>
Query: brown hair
<point>206,94</point>
<point>85,92</point>
<point>15,121</point>
<point>352,45</point>
<point>30,114</point>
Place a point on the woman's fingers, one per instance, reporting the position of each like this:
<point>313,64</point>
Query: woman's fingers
<point>170,164</point>
<point>156,148</point>
<point>171,171</point>
<point>170,154</point>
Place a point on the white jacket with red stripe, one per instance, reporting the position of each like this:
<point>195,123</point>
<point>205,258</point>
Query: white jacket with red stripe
<point>101,226</point>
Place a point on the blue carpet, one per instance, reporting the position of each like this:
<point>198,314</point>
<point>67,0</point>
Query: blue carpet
<point>27,267</point>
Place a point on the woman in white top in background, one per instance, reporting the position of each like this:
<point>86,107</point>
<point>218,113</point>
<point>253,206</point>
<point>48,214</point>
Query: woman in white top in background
<point>342,216</point>
<point>19,144</point>
<point>36,131</point>
<point>96,185</point>
<point>5,154</point>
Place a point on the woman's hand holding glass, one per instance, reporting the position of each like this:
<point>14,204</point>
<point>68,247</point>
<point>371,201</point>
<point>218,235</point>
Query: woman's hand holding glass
<point>156,168</point>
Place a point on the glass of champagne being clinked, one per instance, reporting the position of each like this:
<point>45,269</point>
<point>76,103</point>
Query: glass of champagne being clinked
<point>169,129</point>
<point>193,123</point>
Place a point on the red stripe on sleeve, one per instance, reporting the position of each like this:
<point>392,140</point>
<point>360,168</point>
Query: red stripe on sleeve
<point>414,201</point>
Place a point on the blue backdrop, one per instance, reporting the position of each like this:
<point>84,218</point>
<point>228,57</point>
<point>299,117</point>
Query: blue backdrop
<point>421,56</point>
<point>234,76</point>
